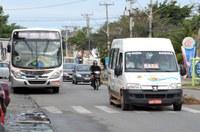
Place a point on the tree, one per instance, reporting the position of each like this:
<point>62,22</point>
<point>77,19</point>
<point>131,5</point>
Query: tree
<point>3,20</point>
<point>6,30</point>
<point>169,17</point>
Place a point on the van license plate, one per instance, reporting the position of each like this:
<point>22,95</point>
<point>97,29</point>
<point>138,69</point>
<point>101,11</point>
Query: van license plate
<point>155,101</point>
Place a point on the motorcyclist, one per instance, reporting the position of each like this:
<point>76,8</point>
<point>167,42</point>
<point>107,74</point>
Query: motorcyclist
<point>94,68</point>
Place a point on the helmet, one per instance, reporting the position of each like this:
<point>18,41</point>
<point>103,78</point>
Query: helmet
<point>95,63</point>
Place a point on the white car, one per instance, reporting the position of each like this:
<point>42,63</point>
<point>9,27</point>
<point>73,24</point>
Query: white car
<point>4,70</point>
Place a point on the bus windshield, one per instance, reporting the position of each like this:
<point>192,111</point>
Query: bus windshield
<point>147,61</point>
<point>36,53</point>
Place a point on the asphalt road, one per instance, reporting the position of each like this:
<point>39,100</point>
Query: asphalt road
<point>78,108</point>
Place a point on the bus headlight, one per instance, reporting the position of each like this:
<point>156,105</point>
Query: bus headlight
<point>175,86</point>
<point>133,86</point>
<point>17,74</point>
<point>55,75</point>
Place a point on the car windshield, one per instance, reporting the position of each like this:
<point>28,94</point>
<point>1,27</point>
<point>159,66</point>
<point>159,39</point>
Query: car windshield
<point>83,68</point>
<point>147,61</point>
<point>68,66</point>
<point>36,53</point>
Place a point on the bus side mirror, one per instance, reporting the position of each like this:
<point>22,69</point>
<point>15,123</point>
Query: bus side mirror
<point>118,71</point>
<point>8,48</point>
<point>182,70</point>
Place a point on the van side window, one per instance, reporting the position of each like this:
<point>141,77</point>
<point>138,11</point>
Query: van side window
<point>114,58</point>
<point>120,60</point>
<point>110,58</point>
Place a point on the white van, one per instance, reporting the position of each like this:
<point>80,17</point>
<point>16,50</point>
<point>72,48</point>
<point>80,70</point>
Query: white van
<point>151,78</point>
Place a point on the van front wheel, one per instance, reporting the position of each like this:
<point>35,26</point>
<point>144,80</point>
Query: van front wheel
<point>177,107</point>
<point>110,98</point>
<point>123,105</point>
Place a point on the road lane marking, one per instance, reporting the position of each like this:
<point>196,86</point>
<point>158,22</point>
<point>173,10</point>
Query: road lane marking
<point>107,109</point>
<point>190,110</point>
<point>80,109</point>
<point>170,112</point>
<point>53,109</point>
<point>142,112</point>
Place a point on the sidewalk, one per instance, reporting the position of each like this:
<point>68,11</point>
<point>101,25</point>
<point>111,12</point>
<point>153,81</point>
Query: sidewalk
<point>187,82</point>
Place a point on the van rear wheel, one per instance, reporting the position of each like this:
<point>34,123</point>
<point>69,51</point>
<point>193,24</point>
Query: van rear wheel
<point>110,98</point>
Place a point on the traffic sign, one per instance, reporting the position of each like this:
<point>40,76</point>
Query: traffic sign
<point>197,69</point>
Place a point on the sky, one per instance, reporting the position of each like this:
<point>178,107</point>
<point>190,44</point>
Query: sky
<point>64,14</point>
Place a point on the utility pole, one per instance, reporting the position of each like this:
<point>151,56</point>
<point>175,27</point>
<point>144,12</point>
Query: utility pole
<point>131,18</point>
<point>87,16</point>
<point>131,22</point>
<point>107,24</point>
<point>150,19</point>
<point>68,34</point>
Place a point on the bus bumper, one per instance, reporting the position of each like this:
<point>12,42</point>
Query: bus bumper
<point>36,83</point>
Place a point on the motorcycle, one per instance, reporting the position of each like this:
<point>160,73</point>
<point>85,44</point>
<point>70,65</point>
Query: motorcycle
<point>96,79</point>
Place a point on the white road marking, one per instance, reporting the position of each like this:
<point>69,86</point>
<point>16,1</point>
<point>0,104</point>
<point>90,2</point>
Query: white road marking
<point>190,110</point>
<point>170,112</point>
<point>53,109</point>
<point>80,109</point>
<point>142,112</point>
<point>106,109</point>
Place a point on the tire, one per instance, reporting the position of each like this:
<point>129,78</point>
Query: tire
<point>123,105</point>
<point>15,90</point>
<point>177,107</point>
<point>75,81</point>
<point>96,84</point>
<point>110,98</point>
<point>56,90</point>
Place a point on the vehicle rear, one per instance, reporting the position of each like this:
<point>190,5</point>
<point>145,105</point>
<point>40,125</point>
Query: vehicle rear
<point>67,71</point>
<point>4,70</point>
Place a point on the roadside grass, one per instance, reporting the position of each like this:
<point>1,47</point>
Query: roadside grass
<point>189,85</point>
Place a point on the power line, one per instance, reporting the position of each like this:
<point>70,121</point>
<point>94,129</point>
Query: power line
<point>58,19</point>
<point>41,7</point>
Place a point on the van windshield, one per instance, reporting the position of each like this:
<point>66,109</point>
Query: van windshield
<point>150,61</point>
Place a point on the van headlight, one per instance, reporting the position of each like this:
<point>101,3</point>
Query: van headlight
<point>175,86</point>
<point>55,75</point>
<point>133,86</point>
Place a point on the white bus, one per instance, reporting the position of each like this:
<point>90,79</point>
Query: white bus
<point>36,59</point>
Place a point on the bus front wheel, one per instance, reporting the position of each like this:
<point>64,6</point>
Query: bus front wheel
<point>56,90</point>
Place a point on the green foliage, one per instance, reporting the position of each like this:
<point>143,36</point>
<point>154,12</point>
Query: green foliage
<point>6,30</point>
<point>179,58</point>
